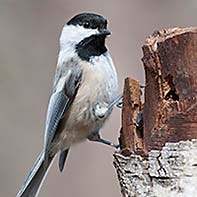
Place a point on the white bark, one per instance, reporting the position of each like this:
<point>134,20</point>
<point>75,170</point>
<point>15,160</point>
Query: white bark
<point>171,172</point>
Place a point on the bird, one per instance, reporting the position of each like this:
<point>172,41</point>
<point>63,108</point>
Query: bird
<point>83,95</point>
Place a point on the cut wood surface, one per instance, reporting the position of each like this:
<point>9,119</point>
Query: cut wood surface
<point>162,159</point>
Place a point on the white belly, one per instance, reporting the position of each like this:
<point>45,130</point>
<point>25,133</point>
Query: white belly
<point>99,86</point>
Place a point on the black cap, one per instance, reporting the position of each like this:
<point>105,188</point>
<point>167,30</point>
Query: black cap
<point>89,20</point>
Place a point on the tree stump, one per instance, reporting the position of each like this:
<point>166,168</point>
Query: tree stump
<point>161,158</point>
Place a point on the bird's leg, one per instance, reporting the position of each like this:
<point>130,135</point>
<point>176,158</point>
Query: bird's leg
<point>117,101</point>
<point>95,137</point>
<point>120,103</point>
<point>101,110</point>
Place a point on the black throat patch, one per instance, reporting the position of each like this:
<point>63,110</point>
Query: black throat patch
<point>91,46</point>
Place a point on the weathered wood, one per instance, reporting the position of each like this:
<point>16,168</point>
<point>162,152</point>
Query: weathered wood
<point>170,110</point>
<point>130,140</point>
<point>171,172</point>
<point>169,166</point>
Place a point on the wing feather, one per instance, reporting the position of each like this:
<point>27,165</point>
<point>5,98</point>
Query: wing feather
<point>61,99</point>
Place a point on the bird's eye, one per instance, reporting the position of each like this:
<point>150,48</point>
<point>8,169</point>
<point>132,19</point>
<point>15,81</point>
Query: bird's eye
<point>86,24</point>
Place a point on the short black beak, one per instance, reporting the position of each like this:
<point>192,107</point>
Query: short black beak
<point>104,32</point>
<point>99,37</point>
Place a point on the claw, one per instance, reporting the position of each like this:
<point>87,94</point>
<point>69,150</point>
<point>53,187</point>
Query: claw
<point>117,101</point>
<point>95,137</point>
<point>139,120</point>
<point>120,103</point>
<point>142,86</point>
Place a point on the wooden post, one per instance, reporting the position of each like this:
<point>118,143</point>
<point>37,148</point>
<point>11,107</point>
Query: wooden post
<point>163,160</point>
<point>130,141</point>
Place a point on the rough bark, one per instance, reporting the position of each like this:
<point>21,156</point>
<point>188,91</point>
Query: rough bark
<point>170,62</point>
<point>130,140</point>
<point>170,172</point>
<point>162,160</point>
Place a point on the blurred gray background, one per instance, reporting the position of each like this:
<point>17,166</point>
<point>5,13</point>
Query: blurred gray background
<point>29,32</point>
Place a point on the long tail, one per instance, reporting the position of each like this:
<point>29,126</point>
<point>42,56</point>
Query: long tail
<point>34,179</point>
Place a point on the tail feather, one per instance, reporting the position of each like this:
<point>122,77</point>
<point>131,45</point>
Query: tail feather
<point>35,177</point>
<point>62,159</point>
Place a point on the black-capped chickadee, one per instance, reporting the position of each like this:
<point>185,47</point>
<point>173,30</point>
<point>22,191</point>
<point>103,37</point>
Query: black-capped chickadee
<point>84,93</point>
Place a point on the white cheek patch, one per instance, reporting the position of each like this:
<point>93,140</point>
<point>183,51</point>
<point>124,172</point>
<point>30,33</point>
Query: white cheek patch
<point>75,34</point>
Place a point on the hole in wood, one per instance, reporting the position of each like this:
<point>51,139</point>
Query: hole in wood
<point>169,89</point>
